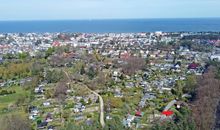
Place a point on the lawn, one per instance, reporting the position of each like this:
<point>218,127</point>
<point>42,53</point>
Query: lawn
<point>6,100</point>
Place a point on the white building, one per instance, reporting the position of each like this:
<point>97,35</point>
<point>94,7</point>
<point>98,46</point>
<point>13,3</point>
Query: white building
<point>215,57</point>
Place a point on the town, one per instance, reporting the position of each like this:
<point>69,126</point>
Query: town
<point>109,81</point>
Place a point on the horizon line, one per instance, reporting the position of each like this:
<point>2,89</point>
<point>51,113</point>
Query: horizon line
<point>30,20</point>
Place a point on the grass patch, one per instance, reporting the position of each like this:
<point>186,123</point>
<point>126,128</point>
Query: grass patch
<point>6,100</point>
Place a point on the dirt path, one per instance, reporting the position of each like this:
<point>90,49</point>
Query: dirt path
<point>102,121</point>
<point>101,102</point>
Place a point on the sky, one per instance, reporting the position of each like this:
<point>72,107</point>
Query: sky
<point>106,9</point>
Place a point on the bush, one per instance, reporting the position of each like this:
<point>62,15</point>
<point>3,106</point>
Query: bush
<point>6,92</point>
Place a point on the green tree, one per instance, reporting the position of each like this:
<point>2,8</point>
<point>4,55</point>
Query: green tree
<point>114,124</point>
<point>91,73</point>
<point>9,56</point>
<point>82,70</point>
<point>49,52</point>
<point>178,89</point>
<point>190,85</point>
<point>36,68</point>
<point>23,55</point>
<point>53,76</point>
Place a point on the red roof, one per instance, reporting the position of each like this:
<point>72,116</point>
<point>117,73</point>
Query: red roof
<point>138,113</point>
<point>167,113</point>
<point>56,43</point>
<point>83,47</point>
<point>124,55</point>
<point>193,66</point>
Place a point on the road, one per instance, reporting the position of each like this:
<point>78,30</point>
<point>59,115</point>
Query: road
<point>101,102</point>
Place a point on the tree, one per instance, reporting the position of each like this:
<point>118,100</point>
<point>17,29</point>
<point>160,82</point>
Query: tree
<point>15,70</point>
<point>206,101</point>
<point>178,89</point>
<point>82,126</point>
<point>103,78</point>
<point>60,91</point>
<point>49,52</point>
<point>190,85</point>
<point>54,76</point>
<point>91,73</point>
<point>29,85</point>
<point>132,65</point>
<point>115,102</point>
<point>60,95</point>
<point>23,55</point>
<point>36,68</point>
<point>56,60</point>
<point>14,122</point>
<point>82,70</point>
<point>114,124</point>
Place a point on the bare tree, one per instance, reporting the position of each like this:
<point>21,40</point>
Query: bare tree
<point>14,122</point>
<point>60,91</point>
<point>207,99</point>
<point>132,65</point>
<point>60,95</point>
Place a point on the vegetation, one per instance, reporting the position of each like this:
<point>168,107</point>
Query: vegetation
<point>14,122</point>
<point>132,65</point>
<point>53,76</point>
<point>15,70</point>
<point>122,91</point>
<point>216,64</point>
<point>13,98</point>
<point>207,99</point>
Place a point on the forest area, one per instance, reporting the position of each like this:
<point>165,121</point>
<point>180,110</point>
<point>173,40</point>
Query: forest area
<point>205,104</point>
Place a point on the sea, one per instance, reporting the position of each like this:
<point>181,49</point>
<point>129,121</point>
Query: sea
<point>113,26</point>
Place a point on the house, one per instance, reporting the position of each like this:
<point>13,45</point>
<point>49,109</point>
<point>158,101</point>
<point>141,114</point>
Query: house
<point>2,84</point>
<point>48,118</point>
<point>32,117</point>
<point>22,82</point>
<point>124,55</point>
<point>146,75</point>
<point>129,85</point>
<point>186,95</point>
<point>89,122</point>
<point>33,110</point>
<point>177,65</point>
<point>50,127</point>
<point>118,93</point>
<point>193,66</point>
<point>39,90</point>
<point>56,44</point>
<point>108,117</point>
<point>147,96</point>
<point>42,125</point>
<point>79,107</point>
<point>215,57</point>
<point>139,114</point>
<point>166,89</point>
<point>128,120</point>
<point>116,74</point>
<point>46,104</point>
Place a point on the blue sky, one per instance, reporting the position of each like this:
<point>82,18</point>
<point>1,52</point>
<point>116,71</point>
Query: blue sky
<point>106,9</point>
